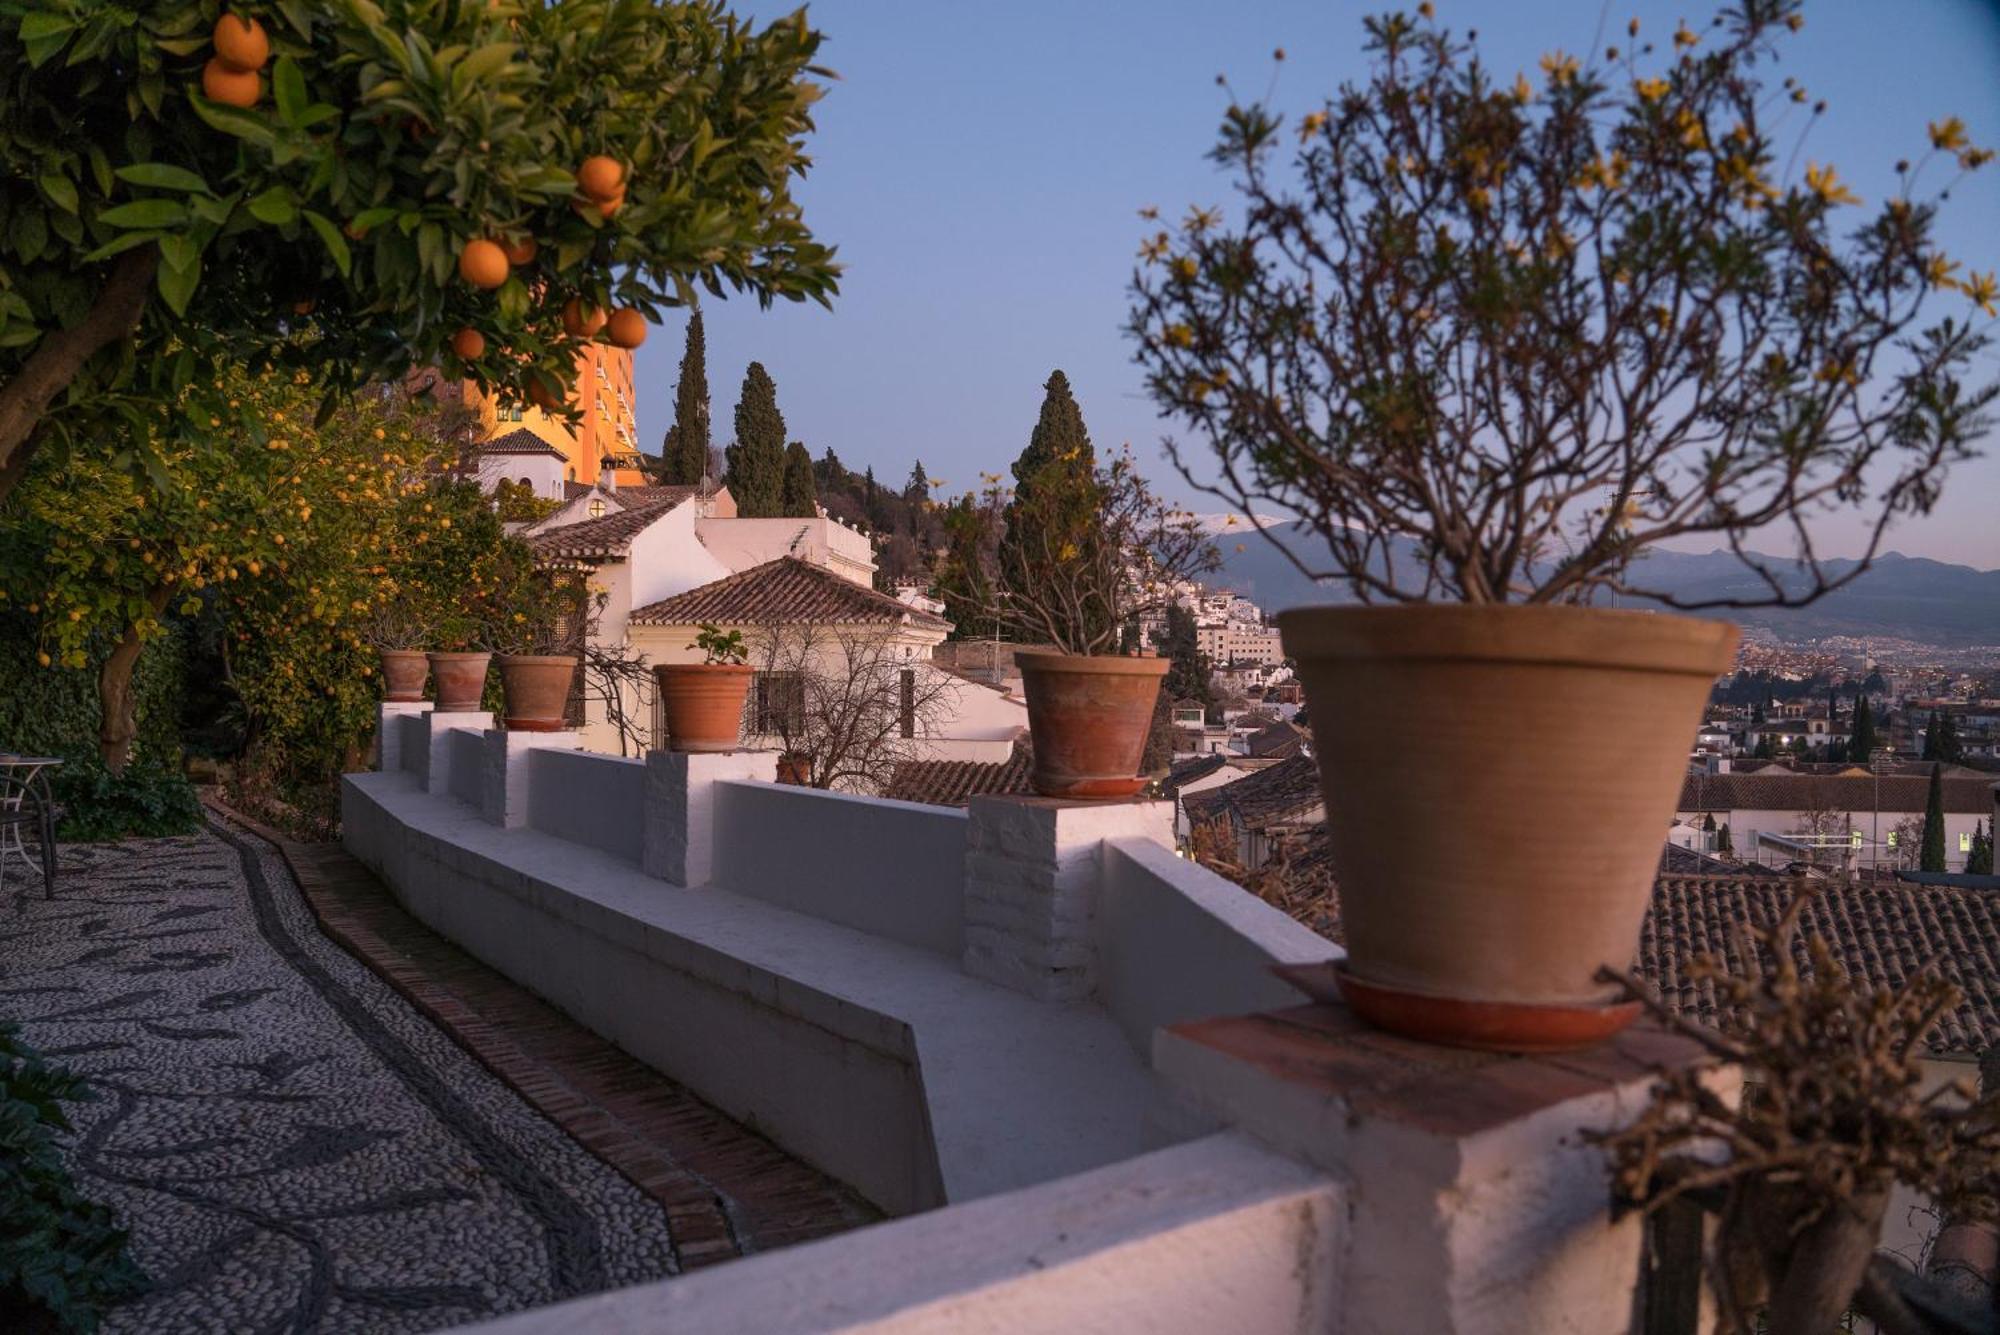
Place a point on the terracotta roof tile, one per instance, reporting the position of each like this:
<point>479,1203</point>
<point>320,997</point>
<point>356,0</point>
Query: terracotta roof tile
<point>1287,789</point>
<point>954,783</point>
<point>781,591</point>
<point>633,498</point>
<point>609,535</point>
<point>519,441</point>
<point>1803,792</point>
<point>1882,932</point>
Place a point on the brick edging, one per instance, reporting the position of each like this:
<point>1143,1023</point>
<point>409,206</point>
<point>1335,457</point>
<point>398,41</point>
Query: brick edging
<point>699,1223</point>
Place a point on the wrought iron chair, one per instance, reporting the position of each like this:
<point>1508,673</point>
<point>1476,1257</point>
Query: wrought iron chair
<point>25,804</point>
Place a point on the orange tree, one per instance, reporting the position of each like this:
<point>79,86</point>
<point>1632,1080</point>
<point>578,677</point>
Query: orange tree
<point>411,182</point>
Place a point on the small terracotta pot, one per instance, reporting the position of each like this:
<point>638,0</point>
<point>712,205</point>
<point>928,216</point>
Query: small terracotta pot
<point>537,690</point>
<point>795,767</point>
<point>703,704</point>
<point>461,681</point>
<point>1088,718</point>
<point>1492,852</point>
<point>403,673</point>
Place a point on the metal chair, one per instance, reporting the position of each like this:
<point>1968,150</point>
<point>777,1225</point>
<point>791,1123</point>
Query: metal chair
<point>25,804</point>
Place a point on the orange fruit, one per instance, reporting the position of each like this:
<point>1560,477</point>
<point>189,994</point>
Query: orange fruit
<point>601,178</point>
<point>543,398</point>
<point>302,308</point>
<point>522,251</point>
<point>240,43</point>
<point>469,344</point>
<point>231,87</point>
<point>579,322</point>
<point>483,264</point>
<point>626,328</point>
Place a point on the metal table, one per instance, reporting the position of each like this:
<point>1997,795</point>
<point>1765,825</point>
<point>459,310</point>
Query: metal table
<point>25,800</point>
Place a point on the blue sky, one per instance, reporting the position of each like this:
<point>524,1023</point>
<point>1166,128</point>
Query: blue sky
<point>980,167</point>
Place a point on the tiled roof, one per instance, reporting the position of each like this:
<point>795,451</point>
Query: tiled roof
<point>782,591</point>
<point>1187,771</point>
<point>953,783</point>
<point>609,535</point>
<point>1287,789</point>
<point>1280,739</point>
<point>1882,932</point>
<point>1808,792</point>
<point>633,498</point>
<point>519,441</point>
<point>1679,861</point>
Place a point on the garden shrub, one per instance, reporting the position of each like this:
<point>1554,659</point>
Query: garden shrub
<point>62,1257</point>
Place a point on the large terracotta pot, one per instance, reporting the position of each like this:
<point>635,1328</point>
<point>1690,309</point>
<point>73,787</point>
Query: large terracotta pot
<point>1087,719</point>
<point>461,681</point>
<point>1499,782</point>
<point>703,703</point>
<point>403,673</point>
<point>795,768</point>
<point>537,690</point>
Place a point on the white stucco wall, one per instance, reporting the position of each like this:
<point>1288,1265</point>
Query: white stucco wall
<point>743,543</point>
<point>1745,823</point>
<point>543,472</point>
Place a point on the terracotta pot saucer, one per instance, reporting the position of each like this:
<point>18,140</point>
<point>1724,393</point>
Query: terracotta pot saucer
<point>1494,1026</point>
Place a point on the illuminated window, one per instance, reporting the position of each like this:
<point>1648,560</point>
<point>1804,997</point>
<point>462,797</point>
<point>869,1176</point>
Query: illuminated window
<point>597,509</point>
<point>1964,842</point>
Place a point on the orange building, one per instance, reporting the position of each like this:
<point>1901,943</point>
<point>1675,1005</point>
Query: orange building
<point>608,433</point>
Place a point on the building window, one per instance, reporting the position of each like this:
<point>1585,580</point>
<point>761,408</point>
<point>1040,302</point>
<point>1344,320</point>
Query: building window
<point>1964,842</point>
<point>778,703</point>
<point>597,509</point>
<point>511,413</point>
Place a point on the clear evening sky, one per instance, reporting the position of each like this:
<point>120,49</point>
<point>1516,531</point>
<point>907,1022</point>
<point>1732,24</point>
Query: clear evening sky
<point>981,166</point>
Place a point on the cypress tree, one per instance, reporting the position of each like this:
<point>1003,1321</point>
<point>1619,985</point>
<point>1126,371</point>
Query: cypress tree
<point>684,460</point>
<point>1054,510</point>
<point>799,498</point>
<point>964,575</point>
<point>918,488</point>
<point>1979,862</point>
<point>1933,845</point>
<point>1722,841</point>
<point>1861,743</point>
<point>1187,674</point>
<point>757,459</point>
<point>832,474</point>
<point>1949,749</point>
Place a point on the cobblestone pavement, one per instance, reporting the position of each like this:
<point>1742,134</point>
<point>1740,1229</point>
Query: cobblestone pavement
<point>293,1148</point>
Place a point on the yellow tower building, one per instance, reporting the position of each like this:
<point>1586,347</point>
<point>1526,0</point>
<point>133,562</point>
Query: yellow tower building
<point>607,436</point>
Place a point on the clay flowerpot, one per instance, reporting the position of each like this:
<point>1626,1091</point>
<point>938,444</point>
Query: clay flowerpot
<point>537,690</point>
<point>1088,719</point>
<point>461,680</point>
<point>703,704</point>
<point>403,673</point>
<point>795,768</point>
<point>1499,782</point>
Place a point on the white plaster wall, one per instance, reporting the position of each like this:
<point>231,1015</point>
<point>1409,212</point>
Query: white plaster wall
<point>594,800</point>
<point>1176,942</point>
<point>542,472</point>
<point>1745,823</point>
<point>901,865</point>
<point>743,543</point>
<point>668,558</point>
<point>1215,1236</point>
<point>468,765</point>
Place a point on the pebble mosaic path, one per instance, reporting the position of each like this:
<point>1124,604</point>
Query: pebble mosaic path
<point>292,1146</point>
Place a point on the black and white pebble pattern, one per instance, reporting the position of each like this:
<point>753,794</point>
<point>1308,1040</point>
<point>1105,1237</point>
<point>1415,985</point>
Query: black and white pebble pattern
<point>292,1146</point>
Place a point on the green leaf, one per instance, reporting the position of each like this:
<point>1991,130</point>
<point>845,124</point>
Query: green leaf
<point>329,404</point>
<point>274,206</point>
<point>232,120</point>
<point>61,192</point>
<point>44,34</point>
<point>145,213</point>
<point>177,285</point>
<point>298,14</point>
<point>179,252</point>
<point>482,64</point>
<point>162,176</point>
<point>336,244</point>
<point>289,87</point>
<point>123,242</point>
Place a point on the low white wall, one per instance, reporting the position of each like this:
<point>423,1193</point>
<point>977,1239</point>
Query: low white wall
<point>415,743</point>
<point>468,765</point>
<point>1177,942</point>
<point>1216,1235</point>
<point>901,864</point>
<point>595,800</point>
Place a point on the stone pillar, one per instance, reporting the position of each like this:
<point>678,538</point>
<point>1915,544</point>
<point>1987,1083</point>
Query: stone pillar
<point>1477,1203</point>
<point>389,716</point>
<point>1033,867</point>
<point>434,763</point>
<point>679,844</point>
<point>503,793</point>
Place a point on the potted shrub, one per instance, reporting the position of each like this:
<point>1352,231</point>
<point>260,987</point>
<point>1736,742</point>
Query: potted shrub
<point>1084,551</point>
<point>458,670</point>
<point>1473,351</point>
<point>703,702</point>
<point>544,617</point>
<point>399,632</point>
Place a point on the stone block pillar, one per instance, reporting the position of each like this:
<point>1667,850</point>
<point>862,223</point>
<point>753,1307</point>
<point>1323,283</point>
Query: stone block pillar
<point>389,732</point>
<point>503,791</point>
<point>679,844</point>
<point>1477,1203</point>
<point>434,762</point>
<point>1033,868</point>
